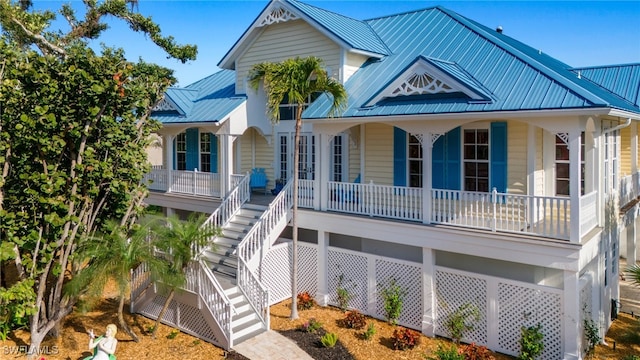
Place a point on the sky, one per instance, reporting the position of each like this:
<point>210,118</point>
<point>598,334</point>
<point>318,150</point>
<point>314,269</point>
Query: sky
<point>579,33</point>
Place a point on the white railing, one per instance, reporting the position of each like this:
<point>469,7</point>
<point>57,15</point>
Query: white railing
<point>395,202</point>
<point>214,298</point>
<point>256,293</point>
<point>629,188</point>
<point>140,279</point>
<point>305,193</point>
<point>588,212</point>
<point>238,196</point>
<point>539,215</point>
<point>184,182</point>
<point>235,180</point>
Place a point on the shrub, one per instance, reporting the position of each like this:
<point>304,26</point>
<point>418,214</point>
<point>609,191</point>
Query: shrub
<point>329,340</point>
<point>631,357</point>
<point>173,334</point>
<point>354,320</point>
<point>344,295</point>
<point>311,326</point>
<point>591,334</point>
<point>305,301</point>
<point>531,344</point>
<point>371,330</point>
<point>462,320</point>
<point>404,338</point>
<point>393,297</point>
<point>477,352</point>
<point>448,353</point>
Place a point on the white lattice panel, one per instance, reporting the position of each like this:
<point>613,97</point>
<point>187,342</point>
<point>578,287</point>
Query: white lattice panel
<point>191,322</point>
<point>409,278</point>
<point>454,290</point>
<point>586,306</point>
<point>308,268</point>
<point>153,308</point>
<point>353,268</point>
<point>520,306</point>
<point>276,273</point>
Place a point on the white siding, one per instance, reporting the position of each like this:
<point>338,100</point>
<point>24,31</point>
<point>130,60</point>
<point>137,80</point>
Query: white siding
<point>287,40</point>
<point>517,157</point>
<point>379,154</point>
<point>352,64</point>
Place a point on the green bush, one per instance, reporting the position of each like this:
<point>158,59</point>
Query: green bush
<point>591,334</point>
<point>531,342</point>
<point>404,338</point>
<point>344,295</point>
<point>310,326</point>
<point>393,296</point>
<point>329,340</point>
<point>371,330</point>
<point>448,353</point>
<point>462,320</point>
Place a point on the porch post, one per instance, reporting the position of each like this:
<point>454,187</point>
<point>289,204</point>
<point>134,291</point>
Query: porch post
<point>168,139</point>
<point>323,174</point>
<point>429,292</point>
<point>226,164</point>
<point>631,238</point>
<point>322,294</point>
<point>572,321</point>
<point>634,158</point>
<point>427,179</point>
<point>574,185</point>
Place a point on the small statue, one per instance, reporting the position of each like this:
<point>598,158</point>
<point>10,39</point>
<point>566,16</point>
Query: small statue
<point>104,346</point>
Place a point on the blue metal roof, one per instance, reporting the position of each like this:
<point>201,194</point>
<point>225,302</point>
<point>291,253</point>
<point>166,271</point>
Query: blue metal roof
<point>207,100</point>
<point>358,34</point>
<point>518,76</point>
<point>622,80</point>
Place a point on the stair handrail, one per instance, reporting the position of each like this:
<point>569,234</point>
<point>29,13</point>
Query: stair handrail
<point>248,282</point>
<point>217,302</point>
<point>278,208</point>
<point>230,205</point>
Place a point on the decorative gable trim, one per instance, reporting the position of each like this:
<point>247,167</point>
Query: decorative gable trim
<point>423,77</point>
<point>166,105</point>
<point>276,15</point>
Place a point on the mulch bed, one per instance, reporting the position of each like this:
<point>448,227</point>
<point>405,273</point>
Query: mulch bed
<point>310,343</point>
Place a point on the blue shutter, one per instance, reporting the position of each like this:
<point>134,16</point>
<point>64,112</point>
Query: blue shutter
<point>399,157</point>
<point>193,149</point>
<point>214,153</point>
<point>498,156</point>
<point>453,160</point>
<point>438,161</point>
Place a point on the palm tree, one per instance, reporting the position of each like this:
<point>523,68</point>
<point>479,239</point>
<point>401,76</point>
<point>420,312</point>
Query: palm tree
<point>181,242</point>
<point>296,81</point>
<point>112,256</point>
<point>634,272</point>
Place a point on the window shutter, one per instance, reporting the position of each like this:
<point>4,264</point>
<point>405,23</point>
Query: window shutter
<point>175,151</point>
<point>498,156</point>
<point>214,153</point>
<point>438,161</point>
<point>193,149</point>
<point>399,157</point>
<point>453,157</point>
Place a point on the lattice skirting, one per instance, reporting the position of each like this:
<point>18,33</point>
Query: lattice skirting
<point>182,315</point>
<point>276,271</point>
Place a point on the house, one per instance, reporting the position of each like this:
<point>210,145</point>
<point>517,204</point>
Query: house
<point>468,168</point>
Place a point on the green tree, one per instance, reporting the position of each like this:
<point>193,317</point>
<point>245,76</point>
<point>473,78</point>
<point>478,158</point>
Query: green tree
<point>634,272</point>
<point>181,242</point>
<point>296,81</point>
<point>112,256</point>
<point>74,126</point>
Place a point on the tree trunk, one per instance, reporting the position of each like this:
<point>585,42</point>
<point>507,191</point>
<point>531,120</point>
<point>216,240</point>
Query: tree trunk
<point>123,324</point>
<point>164,310</point>
<point>294,217</point>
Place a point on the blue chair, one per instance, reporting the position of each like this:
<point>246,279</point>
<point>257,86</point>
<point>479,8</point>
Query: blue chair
<point>349,195</point>
<point>258,180</point>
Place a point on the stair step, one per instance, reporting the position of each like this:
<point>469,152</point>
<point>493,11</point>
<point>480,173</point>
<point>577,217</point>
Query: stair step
<point>244,317</point>
<point>239,339</point>
<point>227,242</point>
<point>254,207</point>
<point>241,220</point>
<point>247,328</point>
<point>233,233</point>
<point>223,269</point>
<point>217,259</point>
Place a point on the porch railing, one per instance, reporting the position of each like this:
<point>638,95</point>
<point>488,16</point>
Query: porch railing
<point>305,193</point>
<point>629,188</point>
<point>184,182</point>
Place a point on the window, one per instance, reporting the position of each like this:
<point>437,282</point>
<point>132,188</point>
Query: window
<point>284,153</point>
<point>181,151</point>
<point>414,164</point>
<point>611,147</point>
<point>338,157</point>
<point>476,159</point>
<point>288,111</point>
<point>562,166</point>
<point>307,156</point>
<point>205,152</point>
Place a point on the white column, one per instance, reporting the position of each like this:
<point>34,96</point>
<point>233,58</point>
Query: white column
<point>322,294</point>
<point>363,147</point>
<point>574,185</point>
<point>226,163</point>
<point>634,147</point>
<point>429,292</point>
<point>168,140</point>
<point>427,179</point>
<point>323,176</point>
<point>572,338</point>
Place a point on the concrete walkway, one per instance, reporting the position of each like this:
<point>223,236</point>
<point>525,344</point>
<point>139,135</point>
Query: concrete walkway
<point>271,346</point>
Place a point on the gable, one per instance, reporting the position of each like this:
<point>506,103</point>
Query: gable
<point>166,105</point>
<point>432,78</point>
